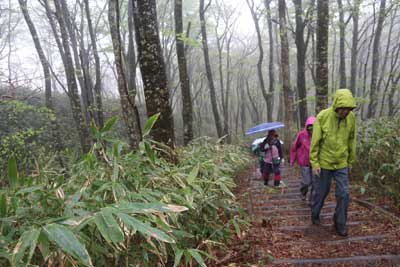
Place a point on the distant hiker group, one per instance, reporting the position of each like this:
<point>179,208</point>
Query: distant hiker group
<point>324,150</point>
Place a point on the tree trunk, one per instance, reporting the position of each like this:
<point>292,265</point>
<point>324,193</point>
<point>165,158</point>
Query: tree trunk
<point>322,55</point>
<point>131,65</point>
<point>84,56</point>
<point>187,108</point>
<point>287,93</point>
<point>365,74</point>
<point>228,88</point>
<point>127,100</point>
<point>392,106</point>
<point>266,95</point>
<point>333,65</point>
<point>301,62</point>
<point>255,113</point>
<point>375,62</point>
<point>271,72</point>
<point>213,97</point>
<point>97,86</point>
<point>354,47</point>
<point>242,104</point>
<point>342,53</point>
<point>49,14</point>
<point>220,42</point>
<point>153,71</point>
<point>85,94</point>
<point>385,60</point>
<point>394,70</point>
<point>73,94</point>
<point>47,78</point>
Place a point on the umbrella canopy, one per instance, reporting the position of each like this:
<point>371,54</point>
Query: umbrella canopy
<point>256,142</point>
<point>265,127</point>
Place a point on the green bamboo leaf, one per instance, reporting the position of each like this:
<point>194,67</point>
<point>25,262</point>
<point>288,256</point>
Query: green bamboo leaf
<point>115,174</point>
<point>196,255</point>
<point>149,124</point>
<point>182,234</point>
<point>14,201</point>
<point>109,124</point>
<point>136,207</point>
<point>150,152</point>
<point>237,227</point>
<point>108,226</point>
<point>43,244</point>
<point>198,188</point>
<point>5,255</point>
<point>178,257</point>
<point>117,149</point>
<point>12,172</point>
<point>226,190</point>
<point>27,240</point>
<point>68,242</point>
<point>29,189</point>
<point>144,228</point>
<point>3,205</point>
<point>94,131</point>
<point>193,174</point>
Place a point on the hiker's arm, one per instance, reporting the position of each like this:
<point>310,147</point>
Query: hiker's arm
<point>352,146</point>
<point>280,149</point>
<point>293,150</point>
<point>315,144</point>
<point>262,145</point>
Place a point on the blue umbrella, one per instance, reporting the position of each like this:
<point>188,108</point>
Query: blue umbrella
<point>265,127</point>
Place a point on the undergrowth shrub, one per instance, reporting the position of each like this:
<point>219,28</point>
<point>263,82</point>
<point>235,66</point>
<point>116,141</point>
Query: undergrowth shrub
<point>24,130</point>
<point>122,208</point>
<point>378,153</point>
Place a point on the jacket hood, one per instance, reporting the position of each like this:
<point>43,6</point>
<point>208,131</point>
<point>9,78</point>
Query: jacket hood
<point>310,121</point>
<point>343,99</point>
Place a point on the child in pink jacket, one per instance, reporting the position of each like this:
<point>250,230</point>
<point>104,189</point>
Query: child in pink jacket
<point>300,152</point>
<point>272,159</point>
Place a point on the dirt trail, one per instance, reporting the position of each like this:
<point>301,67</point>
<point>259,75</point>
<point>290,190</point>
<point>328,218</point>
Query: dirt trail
<point>282,233</point>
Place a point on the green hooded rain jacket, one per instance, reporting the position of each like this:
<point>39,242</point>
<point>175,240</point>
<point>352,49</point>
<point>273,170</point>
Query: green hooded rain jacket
<point>333,144</point>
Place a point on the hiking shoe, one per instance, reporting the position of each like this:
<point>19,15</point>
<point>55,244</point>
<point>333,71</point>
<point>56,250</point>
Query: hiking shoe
<point>277,183</point>
<point>304,190</point>
<point>315,221</point>
<point>342,232</point>
<point>265,182</point>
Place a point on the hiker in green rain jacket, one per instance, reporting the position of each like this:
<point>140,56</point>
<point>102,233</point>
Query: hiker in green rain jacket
<point>332,154</point>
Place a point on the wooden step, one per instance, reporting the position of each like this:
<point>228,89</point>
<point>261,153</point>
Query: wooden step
<point>356,260</point>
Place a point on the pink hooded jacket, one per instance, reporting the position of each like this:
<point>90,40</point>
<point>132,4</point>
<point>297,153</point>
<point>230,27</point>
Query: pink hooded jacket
<point>300,149</point>
<point>271,153</point>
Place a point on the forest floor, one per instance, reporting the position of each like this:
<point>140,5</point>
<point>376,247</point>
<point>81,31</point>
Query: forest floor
<point>281,232</point>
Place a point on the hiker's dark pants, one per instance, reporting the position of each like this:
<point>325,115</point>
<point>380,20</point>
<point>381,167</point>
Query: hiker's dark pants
<point>342,194</point>
<point>262,163</point>
<point>308,183</point>
<point>269,168</point>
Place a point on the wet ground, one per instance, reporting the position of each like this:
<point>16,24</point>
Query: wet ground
<point>281,232</point>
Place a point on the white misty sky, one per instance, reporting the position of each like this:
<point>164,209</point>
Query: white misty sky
<point>24,60</point>
<point>245,24</point>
